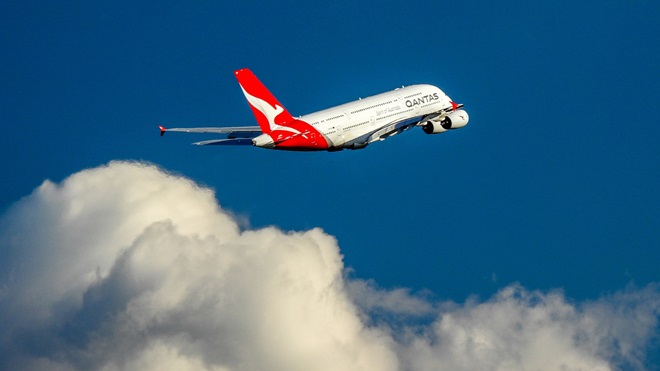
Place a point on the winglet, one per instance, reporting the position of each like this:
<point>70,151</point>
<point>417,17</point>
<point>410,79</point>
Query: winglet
<point>162,130</point>
<point>454,106</point>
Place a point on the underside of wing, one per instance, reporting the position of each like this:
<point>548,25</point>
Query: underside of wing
<point>393,129</point>
<point>397,127</point>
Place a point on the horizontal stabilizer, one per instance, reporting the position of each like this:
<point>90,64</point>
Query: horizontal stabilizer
<point>226,142</point>
<point>215,130</point>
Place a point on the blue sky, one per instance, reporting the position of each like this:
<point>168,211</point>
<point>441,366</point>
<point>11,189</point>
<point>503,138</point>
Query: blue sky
<point>553,184</point>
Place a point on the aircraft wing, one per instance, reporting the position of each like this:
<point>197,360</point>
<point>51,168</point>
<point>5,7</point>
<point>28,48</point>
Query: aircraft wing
<point>401,126</point>
<point>393,129</point>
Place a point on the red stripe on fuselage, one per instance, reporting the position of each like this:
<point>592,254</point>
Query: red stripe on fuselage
<point>309,139</point>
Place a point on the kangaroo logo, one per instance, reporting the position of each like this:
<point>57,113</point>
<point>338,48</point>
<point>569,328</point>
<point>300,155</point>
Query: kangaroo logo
<point>269,111</point>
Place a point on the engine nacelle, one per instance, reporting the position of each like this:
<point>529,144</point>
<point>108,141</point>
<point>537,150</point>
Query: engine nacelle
<point>433,127</point>
<point>454,120</point>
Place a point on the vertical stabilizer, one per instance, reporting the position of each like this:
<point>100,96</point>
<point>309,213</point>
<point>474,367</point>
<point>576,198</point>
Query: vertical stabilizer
<point>270,114</point>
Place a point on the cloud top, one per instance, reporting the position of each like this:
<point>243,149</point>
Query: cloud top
<point>128,267</point>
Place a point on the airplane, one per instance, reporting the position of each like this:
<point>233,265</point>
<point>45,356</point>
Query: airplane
<point>352,125</point>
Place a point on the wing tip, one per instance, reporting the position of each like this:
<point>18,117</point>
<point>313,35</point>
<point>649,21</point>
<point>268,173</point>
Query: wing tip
<point>162,130</point>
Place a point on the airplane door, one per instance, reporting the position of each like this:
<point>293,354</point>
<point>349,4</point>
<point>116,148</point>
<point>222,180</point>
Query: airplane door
<point>338,139</point>
<point>416,107</point>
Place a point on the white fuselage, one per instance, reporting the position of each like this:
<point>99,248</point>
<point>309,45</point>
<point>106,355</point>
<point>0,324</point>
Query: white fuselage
<point>351,125</point>
<point>354,123</point>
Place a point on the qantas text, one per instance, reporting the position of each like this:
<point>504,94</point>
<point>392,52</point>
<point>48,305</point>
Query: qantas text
<point>422,100</point>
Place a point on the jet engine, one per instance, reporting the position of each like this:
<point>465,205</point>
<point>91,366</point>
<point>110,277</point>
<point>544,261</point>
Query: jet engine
<point>454,120</point>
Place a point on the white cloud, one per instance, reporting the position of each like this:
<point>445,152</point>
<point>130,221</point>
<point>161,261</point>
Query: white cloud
<point>530,330</point>
<point>127,267</point>
<point>399,301</point>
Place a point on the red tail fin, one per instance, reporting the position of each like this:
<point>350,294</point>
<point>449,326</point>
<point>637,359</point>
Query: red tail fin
<point>269,112</point>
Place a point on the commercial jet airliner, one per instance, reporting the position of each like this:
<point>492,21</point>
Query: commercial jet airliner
<point>352,125</point>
